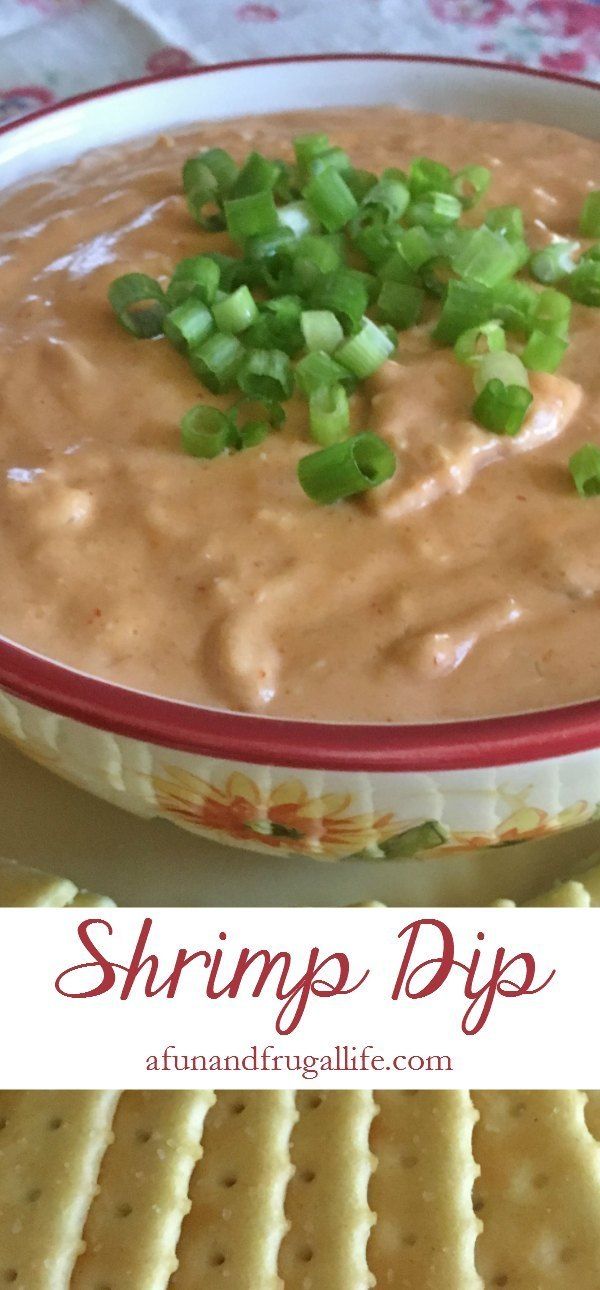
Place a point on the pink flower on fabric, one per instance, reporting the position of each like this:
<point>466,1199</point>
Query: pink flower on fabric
<point>55,7</point>
<point>482,13</point>
<point>21,99</point>
<point>575,61</point>
<point>566,17</point>
<point>257,13</point>
<point>169,59</point>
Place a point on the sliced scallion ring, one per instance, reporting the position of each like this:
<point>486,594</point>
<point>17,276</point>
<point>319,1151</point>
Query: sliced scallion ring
<point>344,469</point>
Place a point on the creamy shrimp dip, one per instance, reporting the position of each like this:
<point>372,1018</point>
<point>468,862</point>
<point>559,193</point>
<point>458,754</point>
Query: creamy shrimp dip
<point>467,584</point>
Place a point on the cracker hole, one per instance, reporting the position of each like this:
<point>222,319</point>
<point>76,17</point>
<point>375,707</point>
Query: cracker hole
<point>143,1135</point>
<point>229,1180</point>
<point>304,1254</point>
<point>540,1181</point>
<point>501,1280</point>
<point>216,1260</point>
<point>478,1205</point>
<point>307,1175</point>
<point>34,1194</point>
<point>568,1255</point>
<point>237,1108</point>
<point>124,1210</point>
<point>3,1121</point>
<point>314,1101</point>
<point>518,1108</point>
<point>410,1239</point>
<point>55,1123</point>
<point>10,1276</point>
<point>409,1162</point>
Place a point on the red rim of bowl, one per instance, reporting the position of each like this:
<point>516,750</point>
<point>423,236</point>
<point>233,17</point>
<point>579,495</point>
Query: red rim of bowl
<point>457,745</point>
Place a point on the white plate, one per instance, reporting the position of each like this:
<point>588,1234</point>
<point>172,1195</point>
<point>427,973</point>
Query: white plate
<point>47,822</point>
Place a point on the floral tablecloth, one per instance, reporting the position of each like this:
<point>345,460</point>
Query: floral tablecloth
<point>50,49</point>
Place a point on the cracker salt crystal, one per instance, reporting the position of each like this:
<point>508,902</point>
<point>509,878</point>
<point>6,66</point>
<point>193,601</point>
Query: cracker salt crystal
<point>539,1191</point>
<point>327,1200</point>
<point>51,1147</point>
<point>22,885</point>
<point>568,895</point>
<point>133,1226</point>
<point>421,1191</point>
<point>233,1231</point>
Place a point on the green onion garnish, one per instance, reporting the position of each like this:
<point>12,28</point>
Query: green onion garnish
<point>502,408</point>
<point>188,325</point>
<point>222,166</point>
<point>400,303</point>
<point>139,303</point>
<point>514,304</point>
<point>387,199</point>
<point>309,146</point>
<point>470,184</point>
<point>344,293</point>
<point>334,158</point>
<point>485,257</point>
<point>472,345</point>
<point>363,353</point>
<point>467,304</point>
<point>257,175</point>
<point>252,215</point>
<point>434,210</point>
<point>508,221</point>
<point>331,199</point>
<point>552,312</point>
<point>321,330</point>
<point>589,224</point>
<point>216,362</point>
<point>206,432</point>
<point>343,469</point>
<point>266,374</point>
<point>500,365</point>
<point>417,247</point>
<point>584,283</point>
<point>329,414</point>
<point>197,277</point>
<point>316,371</point>
<point>554,262</point>
<point>201,188</point>
<point>584,466</point>
<point>426,176</point>
<point>543,352</point>
<point>253,433</point>
<point>298,218</point>
<point>236,312</point>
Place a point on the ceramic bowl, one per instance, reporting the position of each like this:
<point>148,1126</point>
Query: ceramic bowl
<point>330,791</point>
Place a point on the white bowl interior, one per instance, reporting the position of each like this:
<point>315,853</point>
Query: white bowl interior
<point>464,90</point>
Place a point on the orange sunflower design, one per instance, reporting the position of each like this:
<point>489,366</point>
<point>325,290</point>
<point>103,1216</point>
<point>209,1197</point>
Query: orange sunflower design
<point>525,824</point>
<point>284,817</point>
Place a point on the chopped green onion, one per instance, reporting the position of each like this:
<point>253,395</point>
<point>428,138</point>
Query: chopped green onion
<point>344,294</point>
<point>552,312</point>
<point>472,345</point>
<point>485,257</point>
<point>467,304</point>
<point>236,312</point>
<point>216,362</point>
<point>543,352</point>
<point>331,200</point>
<point>332,158</point>
<point>298,217</point>
<point>397,269</point>
<point>401,304</point>
<point>309,146</point>
<point>311,257</point>
<point>222,166</point>
<point>317,371</point>
<point>508,221</point>
<point>426,176</point>
<point>500,365</point>
<point>514,304</point>
<point>253,433</point>
<point>329,414</point>
<point>139,303</point>
<point>321,330</point>
<point>360,183</point>
<point>258,175</point>
<point>389,198</point>
<point>364,353</point>
<point>188,324</point>
<point>417,246</point>
<point>343,469</point>
<point>251,216</point>
<point>196,277</point>
<point>470,184</point>
<point>584,466</point>
<point>434,210</point>
<point>201,189</point>
<point>206,432</point>
<point>266,246</point>
<point>266,374</point>
<point>584,283</point>
<point>231,270</point>
<point>502,408</point>
<point>375,241</point>
<point>589,224</point>
<point>554,262</point>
